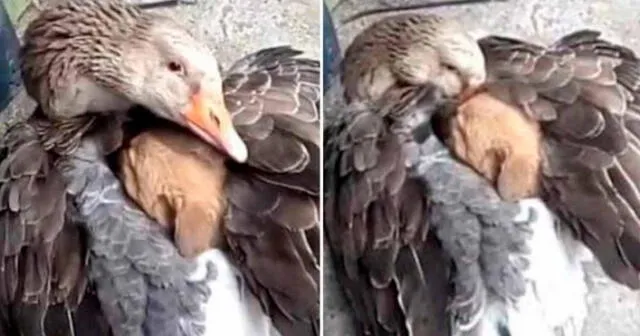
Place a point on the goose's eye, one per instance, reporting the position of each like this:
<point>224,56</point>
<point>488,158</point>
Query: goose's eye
<point>215,119</point>
<point>449,67</point>
<point>175,67</point>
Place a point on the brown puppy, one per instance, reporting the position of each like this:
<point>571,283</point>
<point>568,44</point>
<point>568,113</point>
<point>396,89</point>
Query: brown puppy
<point>500,143</point>
<point>179,181</point>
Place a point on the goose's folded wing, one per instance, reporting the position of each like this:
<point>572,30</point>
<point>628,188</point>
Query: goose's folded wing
<point>274,103</point>
<point>87,318</point>
<point>142,283</point>
<point>43,250</point>
<point>393,272</point>
<point>584,92</point>
<point>272,223</point>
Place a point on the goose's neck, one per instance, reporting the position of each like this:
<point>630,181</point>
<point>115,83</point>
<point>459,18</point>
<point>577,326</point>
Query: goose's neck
<point>98,98</point>
<point>74,65</point>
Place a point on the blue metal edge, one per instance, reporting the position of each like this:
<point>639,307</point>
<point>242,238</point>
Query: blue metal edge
<point>330,49</point>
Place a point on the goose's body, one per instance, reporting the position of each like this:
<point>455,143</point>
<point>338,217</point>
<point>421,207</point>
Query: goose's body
<point>232,309</point>
<point>555,301</point>
<point>557,123</point>
<point>462,220</point>
<point>66,219</point>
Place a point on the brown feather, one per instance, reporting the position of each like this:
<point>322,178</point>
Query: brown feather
<point>274,237</point>
<point>282,268</point>
<point>273,248</point>
<point>374,217</point>
<point>39,264</point>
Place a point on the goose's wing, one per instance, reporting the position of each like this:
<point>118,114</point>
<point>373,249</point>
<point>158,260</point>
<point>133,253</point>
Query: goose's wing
<point>43,249</point>
<point>584,92</point>
<point>144,286</point>
<point>141,282</point>
<point>272,221</point>
<point>375,218</point>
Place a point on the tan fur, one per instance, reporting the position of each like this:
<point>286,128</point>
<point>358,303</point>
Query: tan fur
<point>178,180</point>
<point>500,142</point>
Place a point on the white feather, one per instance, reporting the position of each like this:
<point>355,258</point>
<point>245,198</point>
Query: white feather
<point>231,309</point>
<point>479,33</point>
<point>555,301</point>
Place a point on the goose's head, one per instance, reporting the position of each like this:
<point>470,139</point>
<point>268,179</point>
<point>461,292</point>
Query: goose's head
<point>144,58</point>
<point>461,60</point>
<point>177,78</point>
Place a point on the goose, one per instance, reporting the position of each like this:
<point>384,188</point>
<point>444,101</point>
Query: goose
<point>453,165</point>
<point>66,220</point>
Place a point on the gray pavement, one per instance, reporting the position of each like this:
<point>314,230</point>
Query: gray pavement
<point>613,309</point>
<point>234,28</point>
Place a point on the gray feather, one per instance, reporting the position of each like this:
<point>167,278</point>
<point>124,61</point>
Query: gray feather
<point>142,281</point>
<point>477,230</point>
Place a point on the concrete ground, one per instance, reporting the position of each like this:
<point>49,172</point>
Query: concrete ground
<point>234,28</point>
<point>613,309</point>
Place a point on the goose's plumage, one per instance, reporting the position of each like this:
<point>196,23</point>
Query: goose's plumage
<point>66,219</point>
<point>555,122</point>
<point>141,281</point>
<point>583,90</point>
<point>394,233</point>
<point>272,223</point>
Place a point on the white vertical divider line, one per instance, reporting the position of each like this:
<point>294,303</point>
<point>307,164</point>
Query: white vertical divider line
<point>321,116</point>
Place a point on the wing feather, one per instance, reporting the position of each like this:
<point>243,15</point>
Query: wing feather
<point>584,90</point>
<point>273,215</point>
<point>375,221</point>
<point>42,250</point>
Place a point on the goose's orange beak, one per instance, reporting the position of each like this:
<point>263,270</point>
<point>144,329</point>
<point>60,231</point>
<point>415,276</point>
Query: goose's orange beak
<point>208,117</point>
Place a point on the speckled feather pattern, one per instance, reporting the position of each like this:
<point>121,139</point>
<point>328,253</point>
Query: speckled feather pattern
<point>75,40</point>
<point>406,49</point>
<point>383,43</point>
